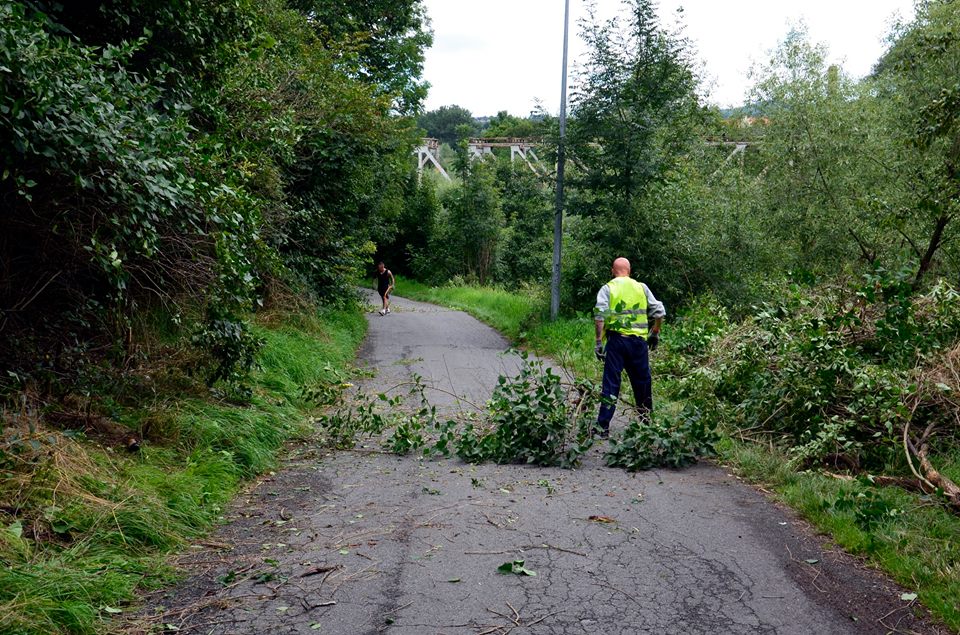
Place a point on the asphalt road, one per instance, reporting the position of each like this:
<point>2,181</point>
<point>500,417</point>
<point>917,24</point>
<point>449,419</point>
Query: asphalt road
<point>363,542</point>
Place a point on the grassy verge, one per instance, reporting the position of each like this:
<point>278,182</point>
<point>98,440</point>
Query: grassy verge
<point>85,524</point>
<point>507,312</point>
<point>914,540</point>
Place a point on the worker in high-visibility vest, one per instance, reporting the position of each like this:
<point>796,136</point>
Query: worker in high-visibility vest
<point>630,316</point>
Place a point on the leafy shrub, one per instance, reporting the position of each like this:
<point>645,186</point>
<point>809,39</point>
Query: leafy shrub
<point>662,442</point>
<point>232,346</point>
<point>190,154</point>
<point>342,427</point>
<point>531,419</point>
<point>372,415</point>
<point>835,372</point>
<point>870,509</point>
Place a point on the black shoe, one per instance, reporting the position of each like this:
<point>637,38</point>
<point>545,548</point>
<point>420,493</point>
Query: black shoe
<point>602,433</point>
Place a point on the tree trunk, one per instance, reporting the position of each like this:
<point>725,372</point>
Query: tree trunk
<point>935,241</point>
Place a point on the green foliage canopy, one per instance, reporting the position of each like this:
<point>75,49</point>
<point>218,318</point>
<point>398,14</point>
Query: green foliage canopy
<point>193,154</point>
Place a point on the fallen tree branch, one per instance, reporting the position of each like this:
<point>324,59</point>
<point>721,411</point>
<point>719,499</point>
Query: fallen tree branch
<point>950,489</point>
<point>910,450</point>
<point>910,484</point>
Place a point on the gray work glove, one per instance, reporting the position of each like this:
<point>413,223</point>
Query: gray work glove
<point>599,352</point>
<point>653,340</point>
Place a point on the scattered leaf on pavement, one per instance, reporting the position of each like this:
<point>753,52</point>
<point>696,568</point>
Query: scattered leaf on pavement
<point>602,519</point>
<point>516,567</point>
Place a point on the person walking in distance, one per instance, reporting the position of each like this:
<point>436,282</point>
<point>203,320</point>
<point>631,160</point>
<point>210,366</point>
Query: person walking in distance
<point>630,316</point>
<point>385,284</point>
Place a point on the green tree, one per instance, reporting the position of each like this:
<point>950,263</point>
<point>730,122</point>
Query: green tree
<point>444,122</point>
<point>822,152</point>
<point>528,233</point>
<point>192,153</point>
<point>416,224</point>
<point>631,105</point>
<point>634,112</point>
<point>917,79</point>
<point>474,221</point>
<point>504,124</point>
<point>387,37</point>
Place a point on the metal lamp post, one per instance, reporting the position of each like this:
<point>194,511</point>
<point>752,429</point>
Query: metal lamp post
<point>561,159</point>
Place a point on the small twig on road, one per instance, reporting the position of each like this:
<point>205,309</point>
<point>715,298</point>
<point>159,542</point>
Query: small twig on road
<point>367,451</point>
<point>324,579</point>
<point>452,387</point>
<point>215,545</point>
<point>894,629</point>
<point>355,575</point>
<point>555,548</point>
<point>807,564</point>
<point>459,398</point>
<point>237,575</point>
<point>190,610</point>
<point>231,620</point>
<point>902,608</point>
<point>516,622</point>
<point>399,608</point>
<point>319,570</point>
<point>524,548</point>
<point>515,614</point>
<point>489,553</point>
<point>540,619</point>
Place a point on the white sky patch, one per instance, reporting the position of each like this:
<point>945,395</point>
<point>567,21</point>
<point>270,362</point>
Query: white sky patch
<point>491,55</point>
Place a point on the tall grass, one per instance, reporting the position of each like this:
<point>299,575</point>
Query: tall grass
<point>85,526</point>
<point>919,546</point>
<point>508,312</point>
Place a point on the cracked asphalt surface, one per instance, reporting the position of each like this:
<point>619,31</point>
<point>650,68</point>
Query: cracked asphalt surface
<point>364,542</point>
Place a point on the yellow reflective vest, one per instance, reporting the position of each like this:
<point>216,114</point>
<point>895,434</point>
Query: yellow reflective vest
<point>628,307</point>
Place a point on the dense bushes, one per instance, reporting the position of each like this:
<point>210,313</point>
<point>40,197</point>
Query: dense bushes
<point>835,376</point>
<point>193,156</point>
<point>492,226</point>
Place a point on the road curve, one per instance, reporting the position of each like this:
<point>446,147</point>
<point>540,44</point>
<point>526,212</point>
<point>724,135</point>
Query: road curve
<point>361,542</point>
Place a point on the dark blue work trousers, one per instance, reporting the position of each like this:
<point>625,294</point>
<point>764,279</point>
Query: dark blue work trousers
<point>630,354</point>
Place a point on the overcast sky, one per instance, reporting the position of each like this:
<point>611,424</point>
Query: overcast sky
<point>491,55</point>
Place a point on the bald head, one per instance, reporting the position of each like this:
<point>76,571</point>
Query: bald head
<point>620,268</point>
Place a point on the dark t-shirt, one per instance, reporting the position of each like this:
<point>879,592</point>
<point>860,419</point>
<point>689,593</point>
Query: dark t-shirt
<point>383,281</point>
